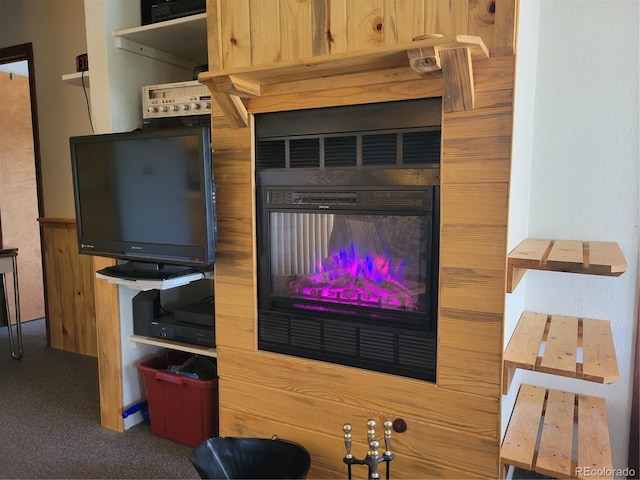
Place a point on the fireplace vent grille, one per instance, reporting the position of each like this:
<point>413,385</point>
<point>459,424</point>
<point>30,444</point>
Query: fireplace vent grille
<point>421,147</point>
<point>341,151</point>
<point>411,355</point>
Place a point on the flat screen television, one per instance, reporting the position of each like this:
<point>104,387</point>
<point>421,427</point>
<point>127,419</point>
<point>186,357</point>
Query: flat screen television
<point>146,197</point>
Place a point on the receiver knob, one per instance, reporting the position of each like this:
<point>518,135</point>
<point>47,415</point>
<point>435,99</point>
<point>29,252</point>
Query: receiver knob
<point>152,109</point>
<point>195,106</point>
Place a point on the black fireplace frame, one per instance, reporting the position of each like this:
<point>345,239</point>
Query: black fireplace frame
<point>294,156</point>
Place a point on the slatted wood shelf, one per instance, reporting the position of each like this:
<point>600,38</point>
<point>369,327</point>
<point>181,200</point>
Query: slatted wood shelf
<point>574,256</point>
<point>562,345</point>
<point>540,434</point>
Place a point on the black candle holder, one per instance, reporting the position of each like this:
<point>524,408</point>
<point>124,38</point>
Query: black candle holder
<point>373,457</point>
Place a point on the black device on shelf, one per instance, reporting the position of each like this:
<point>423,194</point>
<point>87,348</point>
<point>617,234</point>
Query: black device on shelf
<point>152,11</point>
<point>192,323</point>
<point>148,197</point>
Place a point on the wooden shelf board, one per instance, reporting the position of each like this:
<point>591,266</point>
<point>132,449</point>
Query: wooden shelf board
<point>540,434</point>
<point>573,256</point>
<point>342,63</point>
<point>252,81</point>
<point>184,347</point>
<point>563,340</point>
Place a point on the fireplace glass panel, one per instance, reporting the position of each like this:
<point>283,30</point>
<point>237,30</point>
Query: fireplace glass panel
<point>337,260</point>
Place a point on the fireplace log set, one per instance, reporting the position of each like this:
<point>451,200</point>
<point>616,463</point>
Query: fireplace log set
<point>357,290</point>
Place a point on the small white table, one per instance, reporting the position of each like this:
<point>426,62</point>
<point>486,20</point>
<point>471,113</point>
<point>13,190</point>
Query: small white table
<point>9,264</point>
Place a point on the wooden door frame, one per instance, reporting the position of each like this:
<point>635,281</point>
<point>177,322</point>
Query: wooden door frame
<point>18,53</point>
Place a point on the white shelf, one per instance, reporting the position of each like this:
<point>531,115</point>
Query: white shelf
<point>183,347</point>
<point>157,284</point>
<point>76,79</point>
<point>181,41</point>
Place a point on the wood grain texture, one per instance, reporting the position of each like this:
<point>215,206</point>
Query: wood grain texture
<point>404,20</point>
<point>594,449</point>
<point>524,346</point>
<point>234,29</point>
<point>562,344</point>
<point>561,421</point>
<point>469,351</point>
<point>445,17</point>
<point>299,410</point>
<point>599,361</point>
<point>327,450</point>
<point>476,160</point>
<point>554,453</point>
<point>472,413</point>
<point>519,444</point>
<point>457,71</point>
<point>109,349</point>
<point>553,343</point>
<point>593,258</point>
<point>265,23</point>
<point>296,29</point>
<point>70,292</point>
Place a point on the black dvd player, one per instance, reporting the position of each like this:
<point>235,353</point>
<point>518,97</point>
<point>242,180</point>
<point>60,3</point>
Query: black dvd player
<point>167,327</point>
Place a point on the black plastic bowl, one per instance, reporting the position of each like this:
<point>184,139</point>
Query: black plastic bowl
<point>250,458</point>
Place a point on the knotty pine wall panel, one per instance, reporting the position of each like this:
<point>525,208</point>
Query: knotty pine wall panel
<point>69,286</point>
<point>461,416</point>
<point>454,426</point>
<point>235,263</point>
<point>373,89</point>
<point>360,388</point>
<point>110,342</point>
<point>280,411</point>
<point>253,32</point>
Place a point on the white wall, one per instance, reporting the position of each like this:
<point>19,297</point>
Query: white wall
<point>117,75</point>
<point>522,157</point>
<point>56,30</point>
<point>585,176</point>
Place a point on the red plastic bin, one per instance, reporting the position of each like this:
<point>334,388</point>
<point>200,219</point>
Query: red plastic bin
<point>181,409</point>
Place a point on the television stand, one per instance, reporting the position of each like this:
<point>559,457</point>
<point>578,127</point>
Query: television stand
<point>147,271</point>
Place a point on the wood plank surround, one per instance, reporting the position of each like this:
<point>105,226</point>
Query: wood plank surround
<point>453,425</point>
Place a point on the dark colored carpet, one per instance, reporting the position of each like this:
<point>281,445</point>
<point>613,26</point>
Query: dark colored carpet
<point>50,421</point>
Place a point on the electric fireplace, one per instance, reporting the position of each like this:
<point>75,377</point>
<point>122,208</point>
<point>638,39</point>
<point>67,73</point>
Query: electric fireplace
<point>348,229</point>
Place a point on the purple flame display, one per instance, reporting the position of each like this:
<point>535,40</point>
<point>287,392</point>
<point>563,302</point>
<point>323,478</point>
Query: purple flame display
<point>366,279</point>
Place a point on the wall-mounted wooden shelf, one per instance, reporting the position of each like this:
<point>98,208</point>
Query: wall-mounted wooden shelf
<point>574,256</point>
<point>540,434</point>
<point>561,345</point>
<point>454,56</point>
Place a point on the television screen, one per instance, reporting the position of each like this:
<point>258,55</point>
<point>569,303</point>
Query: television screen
<point>146,196</point>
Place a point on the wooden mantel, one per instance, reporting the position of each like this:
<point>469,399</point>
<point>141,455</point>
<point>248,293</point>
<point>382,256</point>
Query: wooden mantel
<point>450,55</point>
